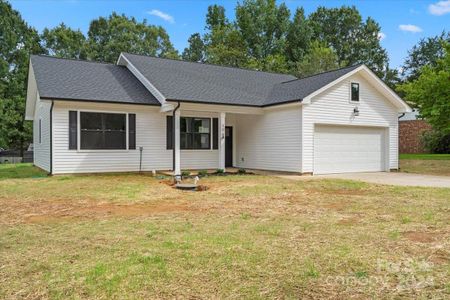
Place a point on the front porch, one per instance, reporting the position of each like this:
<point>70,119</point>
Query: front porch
<point>205,138</point>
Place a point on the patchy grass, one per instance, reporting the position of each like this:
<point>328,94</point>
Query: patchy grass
<point>20,171</point>
<point>130,236</point>
<point>426,156</point>
<point>425,166</point>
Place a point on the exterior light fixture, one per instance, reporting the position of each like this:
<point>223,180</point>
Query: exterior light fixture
<point>356,111</point>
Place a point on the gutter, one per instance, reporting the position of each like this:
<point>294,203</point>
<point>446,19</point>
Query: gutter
<point>51,138</point>
<point>173,135</point>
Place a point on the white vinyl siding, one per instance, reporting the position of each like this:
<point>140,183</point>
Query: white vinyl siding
<point>271,141</point>
<point>41,151</point>
<point>150,134</point>
<point>334,107</point>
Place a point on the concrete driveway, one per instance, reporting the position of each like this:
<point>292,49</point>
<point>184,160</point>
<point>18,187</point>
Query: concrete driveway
<point>391,178</point>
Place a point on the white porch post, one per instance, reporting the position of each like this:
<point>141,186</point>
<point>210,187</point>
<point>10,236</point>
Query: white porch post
<point>222,141</point>
<point>176,145</point>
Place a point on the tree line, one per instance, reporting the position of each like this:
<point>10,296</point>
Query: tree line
<point>263,36</point>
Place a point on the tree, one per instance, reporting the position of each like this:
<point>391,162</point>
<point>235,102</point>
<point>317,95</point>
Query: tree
<point>65,42</point>
<point>353,40</point>
<point>196,49</point>
<point>319,58</point>
<point>263,26</point>
<point>225,47</point>
<point>224,44</point>
<point>107,37</point>
<point>427,52</point>
<point>298,37</point>
<point>431,92</point>
<point>17,41</point>
<point>215,18</point>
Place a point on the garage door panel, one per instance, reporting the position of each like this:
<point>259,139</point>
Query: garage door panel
<point>348,149</point>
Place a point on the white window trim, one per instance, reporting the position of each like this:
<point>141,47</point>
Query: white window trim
<point>211,137</point>
<point>101,150</point>
<point>350,93</point>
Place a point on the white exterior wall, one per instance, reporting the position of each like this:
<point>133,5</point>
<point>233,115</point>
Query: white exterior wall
<point>150,134</point>
<point>334,107</point>
<point>271,141</point>
<point>41,152</point>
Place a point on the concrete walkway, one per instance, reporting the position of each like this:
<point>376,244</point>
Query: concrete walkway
<point>391,178</point>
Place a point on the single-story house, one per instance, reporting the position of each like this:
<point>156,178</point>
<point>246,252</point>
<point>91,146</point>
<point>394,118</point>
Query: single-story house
<point>147,113</point>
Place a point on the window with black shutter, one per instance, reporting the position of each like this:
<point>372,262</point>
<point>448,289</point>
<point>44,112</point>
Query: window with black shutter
<point>131,131</point>
<point>73,128</point>
<point>169,132</point>
<point>216,133</point>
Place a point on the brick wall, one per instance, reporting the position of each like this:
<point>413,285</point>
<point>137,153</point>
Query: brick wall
<point>409,135</point>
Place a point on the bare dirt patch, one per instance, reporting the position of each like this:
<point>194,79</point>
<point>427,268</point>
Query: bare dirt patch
<point>55,211</point>
<point>421,237</point>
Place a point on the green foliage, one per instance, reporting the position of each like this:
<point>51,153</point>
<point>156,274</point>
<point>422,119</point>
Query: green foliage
<point>107,37</point>
<point>353,40</point>
<point>220,171</point>
<point>436,142</point>
<point>196,49</point>
<point>65,42</point>
<point>298,36</point>
<point>185,173</point>
<point>431,93</point>
<point>17,41</point>
<point>319,58</point>
<point>202,173</point>
<point>242,171</point>
<point>263,26</point>
<point>426,53</point>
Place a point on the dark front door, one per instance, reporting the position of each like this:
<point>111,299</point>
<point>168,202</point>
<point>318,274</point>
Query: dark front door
<point>228,146</point>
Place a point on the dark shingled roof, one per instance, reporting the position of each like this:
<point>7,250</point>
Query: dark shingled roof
<point>297,89</point>
<point>58,78</point>
<point>198,82</point>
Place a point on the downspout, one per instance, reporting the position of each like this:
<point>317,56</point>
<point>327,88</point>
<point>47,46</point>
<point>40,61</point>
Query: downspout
<point>401,116</point>
<point>51,139</point>
<point>173,135</point>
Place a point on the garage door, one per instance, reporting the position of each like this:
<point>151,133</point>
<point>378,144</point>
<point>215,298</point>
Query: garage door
<point>341,149</point>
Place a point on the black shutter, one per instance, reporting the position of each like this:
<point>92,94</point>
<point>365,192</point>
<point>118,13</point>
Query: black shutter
<point>131,131</point>
<point>169,132</point>
<point>73,128</point>
<point>215,133</point>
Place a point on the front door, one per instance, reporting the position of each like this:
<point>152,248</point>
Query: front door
<point>228,146</point>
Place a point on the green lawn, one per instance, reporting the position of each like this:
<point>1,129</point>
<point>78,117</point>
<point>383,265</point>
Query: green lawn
<point>20,171</point>
<point>247,236</point>
<point>426,156</point>
<point>432,164</point>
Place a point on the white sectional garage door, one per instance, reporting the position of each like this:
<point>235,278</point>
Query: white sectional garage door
<point>342,149</point>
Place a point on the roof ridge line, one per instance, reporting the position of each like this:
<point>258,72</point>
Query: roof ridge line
<point>74,59</point>
<point>209,64</point>
<point>339,69</point>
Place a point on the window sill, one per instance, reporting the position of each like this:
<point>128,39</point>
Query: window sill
<point>104,151</point>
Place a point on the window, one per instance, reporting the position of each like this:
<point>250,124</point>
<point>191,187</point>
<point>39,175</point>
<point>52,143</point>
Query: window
<point>195,133</point>
<point>102,131</point>
<point>355,91</point>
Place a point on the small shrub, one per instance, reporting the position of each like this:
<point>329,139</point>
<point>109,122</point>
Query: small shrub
<point>185,174</point>
<point>436,142</point>
<point>242,171</point>
<point>220,171</point>
<point>202,173</point>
